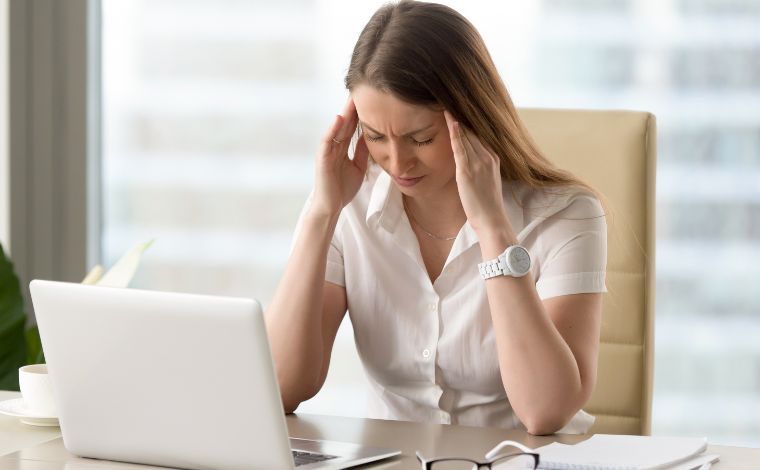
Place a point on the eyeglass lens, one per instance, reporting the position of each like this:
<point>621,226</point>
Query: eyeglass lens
<point>519,461</point>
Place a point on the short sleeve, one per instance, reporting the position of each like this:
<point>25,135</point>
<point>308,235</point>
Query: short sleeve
<point>334,271</point>
<point>572,250</point>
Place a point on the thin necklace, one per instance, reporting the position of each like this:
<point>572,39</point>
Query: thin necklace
<point>409,213</point>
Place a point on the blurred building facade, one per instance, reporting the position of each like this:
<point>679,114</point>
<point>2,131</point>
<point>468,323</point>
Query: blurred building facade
<point>213,111</point>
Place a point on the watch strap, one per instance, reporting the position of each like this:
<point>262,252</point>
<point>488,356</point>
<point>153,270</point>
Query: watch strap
<point>492,268</point>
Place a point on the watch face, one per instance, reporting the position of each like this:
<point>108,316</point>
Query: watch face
<point>519,260</point>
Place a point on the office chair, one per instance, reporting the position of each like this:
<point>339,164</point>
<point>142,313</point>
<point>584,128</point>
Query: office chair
<point>615,152</point>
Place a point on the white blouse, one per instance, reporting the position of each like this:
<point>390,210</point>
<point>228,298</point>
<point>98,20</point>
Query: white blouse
<point>429,349</point>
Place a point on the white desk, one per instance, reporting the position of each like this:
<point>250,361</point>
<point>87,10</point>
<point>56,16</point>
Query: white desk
<point>432,439</point>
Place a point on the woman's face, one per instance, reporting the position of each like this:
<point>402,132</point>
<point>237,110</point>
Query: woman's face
<point>410,142</point>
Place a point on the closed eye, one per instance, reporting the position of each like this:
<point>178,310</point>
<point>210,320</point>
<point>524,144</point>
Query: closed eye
<point>415,142</point>
<point>424,142</point>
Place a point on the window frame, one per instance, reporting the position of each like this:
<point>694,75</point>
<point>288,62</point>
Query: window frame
<point>54,139</point>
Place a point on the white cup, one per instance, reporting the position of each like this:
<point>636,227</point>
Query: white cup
<point>36,390</point>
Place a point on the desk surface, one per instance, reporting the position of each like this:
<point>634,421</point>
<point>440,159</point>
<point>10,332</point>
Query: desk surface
<point>431,439</point>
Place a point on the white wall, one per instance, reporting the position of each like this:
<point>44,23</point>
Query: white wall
<point>4,160</point>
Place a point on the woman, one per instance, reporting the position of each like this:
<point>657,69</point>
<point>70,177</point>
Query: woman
<point>454,181</point>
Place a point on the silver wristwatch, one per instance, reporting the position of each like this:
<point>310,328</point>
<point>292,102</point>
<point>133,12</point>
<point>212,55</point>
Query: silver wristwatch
<point>515,262</point>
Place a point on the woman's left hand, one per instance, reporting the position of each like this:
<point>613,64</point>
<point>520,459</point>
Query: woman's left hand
<point>478,180</point>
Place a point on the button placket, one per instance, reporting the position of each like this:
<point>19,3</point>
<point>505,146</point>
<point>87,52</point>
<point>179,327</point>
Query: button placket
<point>432,306</point>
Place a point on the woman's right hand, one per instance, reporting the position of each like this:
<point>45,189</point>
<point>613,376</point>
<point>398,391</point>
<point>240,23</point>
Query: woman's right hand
<point>338,177</point>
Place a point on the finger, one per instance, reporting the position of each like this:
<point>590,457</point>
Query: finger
<point>480,148</point>
<point>449,122</point>
<point>460,156</point>
<point>349,108</point>
<point>467,137</point>
<point>361,154</point>
<point>463,144</point>
<point>332,133</point>
<point>350,121</point>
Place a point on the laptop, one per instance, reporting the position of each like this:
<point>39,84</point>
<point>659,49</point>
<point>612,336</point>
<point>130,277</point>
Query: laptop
<point>170,379</point>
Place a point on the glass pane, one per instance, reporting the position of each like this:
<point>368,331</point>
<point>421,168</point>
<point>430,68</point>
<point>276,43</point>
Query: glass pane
<point>212,113</point>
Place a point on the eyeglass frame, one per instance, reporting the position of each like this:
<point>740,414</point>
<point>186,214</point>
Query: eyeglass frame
<point>492,456</point>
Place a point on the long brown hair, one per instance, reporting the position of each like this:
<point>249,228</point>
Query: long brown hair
<point>429,54</point>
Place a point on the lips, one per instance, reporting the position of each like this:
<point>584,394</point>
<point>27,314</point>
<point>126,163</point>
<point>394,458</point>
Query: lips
<point>407,182</point>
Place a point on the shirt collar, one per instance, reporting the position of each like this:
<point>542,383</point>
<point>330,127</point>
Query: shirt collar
<point>385,209</point>
<point>385,205</point>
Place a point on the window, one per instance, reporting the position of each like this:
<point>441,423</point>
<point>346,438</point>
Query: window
<point>213,111</point>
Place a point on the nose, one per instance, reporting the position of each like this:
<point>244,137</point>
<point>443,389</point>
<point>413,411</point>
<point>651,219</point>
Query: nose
<point>399,160</point>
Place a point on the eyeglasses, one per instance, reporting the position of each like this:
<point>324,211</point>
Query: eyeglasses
<point>526,458</point>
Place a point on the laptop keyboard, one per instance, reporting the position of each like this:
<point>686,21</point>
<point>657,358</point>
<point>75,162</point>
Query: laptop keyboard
<point>304,458</point>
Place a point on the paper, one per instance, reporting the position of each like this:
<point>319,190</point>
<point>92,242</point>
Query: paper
<point>605,451</point>
<point>696,462</point>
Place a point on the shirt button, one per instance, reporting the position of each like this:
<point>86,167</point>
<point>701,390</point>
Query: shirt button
<point>426,353</point>
<point>432,307</point>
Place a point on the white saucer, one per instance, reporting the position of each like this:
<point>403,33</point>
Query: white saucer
<point>16,407</point>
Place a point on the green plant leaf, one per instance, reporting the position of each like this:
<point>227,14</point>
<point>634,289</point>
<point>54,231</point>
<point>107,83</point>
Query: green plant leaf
<point>34,353</point>
<point>12,321</point>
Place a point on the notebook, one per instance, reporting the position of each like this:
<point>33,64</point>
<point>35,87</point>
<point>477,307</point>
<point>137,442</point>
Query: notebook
<point>618,452</point>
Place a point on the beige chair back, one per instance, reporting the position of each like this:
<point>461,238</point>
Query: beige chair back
<point>615,151</point>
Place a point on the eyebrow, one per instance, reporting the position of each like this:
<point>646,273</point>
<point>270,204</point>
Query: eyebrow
<point>364,124</point>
